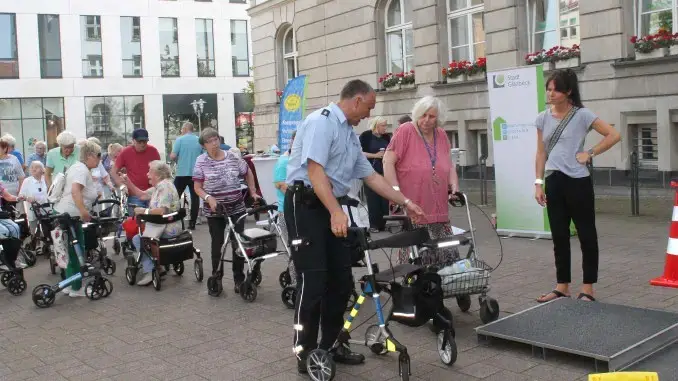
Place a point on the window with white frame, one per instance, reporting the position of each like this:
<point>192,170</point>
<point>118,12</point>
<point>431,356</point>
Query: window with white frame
<point>289,51</point>
<point>553,23</point>
<point>399,37</point>
<point>93,26</point>
<point>653,15</point>
<point>466,34</point>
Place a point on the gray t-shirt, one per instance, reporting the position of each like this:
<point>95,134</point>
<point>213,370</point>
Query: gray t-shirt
<point>563,156</point>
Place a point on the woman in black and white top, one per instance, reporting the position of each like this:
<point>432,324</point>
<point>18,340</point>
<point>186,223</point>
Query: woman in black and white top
<point>561,166</point>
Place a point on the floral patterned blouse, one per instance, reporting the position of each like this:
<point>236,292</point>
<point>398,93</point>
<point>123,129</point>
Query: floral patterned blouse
<point>165,195</point>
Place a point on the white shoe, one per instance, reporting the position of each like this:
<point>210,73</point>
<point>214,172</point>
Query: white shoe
<point>146,279</point>
<point>78,293</point>
<point>66,290</point>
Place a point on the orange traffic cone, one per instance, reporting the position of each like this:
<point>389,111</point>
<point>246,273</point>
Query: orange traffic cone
<point>670,277</point>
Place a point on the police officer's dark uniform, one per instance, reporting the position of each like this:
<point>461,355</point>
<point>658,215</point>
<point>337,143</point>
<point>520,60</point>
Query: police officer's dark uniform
<point>323,264</point>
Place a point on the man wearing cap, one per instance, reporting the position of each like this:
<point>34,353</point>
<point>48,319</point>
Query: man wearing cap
<point>136,160</point>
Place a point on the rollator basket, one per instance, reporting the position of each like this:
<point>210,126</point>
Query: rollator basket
<point>258,242</point>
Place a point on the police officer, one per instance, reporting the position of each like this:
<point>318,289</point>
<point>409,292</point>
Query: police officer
<point>326,156</point>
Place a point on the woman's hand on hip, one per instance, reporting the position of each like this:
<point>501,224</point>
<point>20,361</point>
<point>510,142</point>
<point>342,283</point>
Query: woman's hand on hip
<point>539,195</point>
<point>583,157</point>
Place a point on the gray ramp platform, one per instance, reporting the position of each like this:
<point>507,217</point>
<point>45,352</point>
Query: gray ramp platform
<point>617,335</point>
<point>665,363</point>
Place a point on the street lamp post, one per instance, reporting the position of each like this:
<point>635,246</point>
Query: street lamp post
<point>198,108</point>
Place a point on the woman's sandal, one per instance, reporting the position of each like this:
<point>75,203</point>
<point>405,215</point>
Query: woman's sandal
<point>556,293</point>
<point>586,297</point>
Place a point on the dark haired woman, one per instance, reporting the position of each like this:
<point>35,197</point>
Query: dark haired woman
<point>561,166</point>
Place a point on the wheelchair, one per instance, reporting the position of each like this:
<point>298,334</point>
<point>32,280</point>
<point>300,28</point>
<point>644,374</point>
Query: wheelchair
<point>417,299</point>
<point>255,245</point>
<point>97,287</point>
<point>164,252</point>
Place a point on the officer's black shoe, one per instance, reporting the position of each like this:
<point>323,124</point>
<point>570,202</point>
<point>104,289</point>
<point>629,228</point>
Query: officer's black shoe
<point>191,225</point>
<point>343,355</point>
<point>301,365</point>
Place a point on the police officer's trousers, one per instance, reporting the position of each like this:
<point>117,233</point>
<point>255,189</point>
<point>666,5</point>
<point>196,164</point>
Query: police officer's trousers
<point>324,278</point>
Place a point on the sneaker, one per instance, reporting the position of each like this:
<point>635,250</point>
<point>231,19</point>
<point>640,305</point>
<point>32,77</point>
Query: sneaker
<point>66,290</point>
<point>77,293</point>
<point>146,279</point>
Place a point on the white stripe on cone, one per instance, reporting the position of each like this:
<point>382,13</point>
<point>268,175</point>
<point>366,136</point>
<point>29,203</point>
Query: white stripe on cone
<point>674,217</point>
<point>672,247</point>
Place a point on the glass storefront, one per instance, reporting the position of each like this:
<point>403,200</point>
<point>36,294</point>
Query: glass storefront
<point>178,109</point>
<point>112,119</point>
<point>31,120</point>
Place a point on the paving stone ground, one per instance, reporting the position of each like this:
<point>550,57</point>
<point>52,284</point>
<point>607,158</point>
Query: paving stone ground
<point>181,333</point>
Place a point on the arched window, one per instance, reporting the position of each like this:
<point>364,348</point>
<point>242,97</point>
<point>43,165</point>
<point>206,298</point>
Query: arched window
<point>289,52</point>
<point>399,38</point>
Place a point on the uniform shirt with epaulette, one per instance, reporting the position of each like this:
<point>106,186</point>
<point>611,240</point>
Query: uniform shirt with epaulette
<point>326,138</point>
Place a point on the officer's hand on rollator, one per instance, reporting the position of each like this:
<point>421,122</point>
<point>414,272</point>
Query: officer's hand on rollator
<point>339,223</point>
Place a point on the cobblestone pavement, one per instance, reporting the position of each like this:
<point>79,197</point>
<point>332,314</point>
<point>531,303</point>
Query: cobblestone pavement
<point>181,333</point>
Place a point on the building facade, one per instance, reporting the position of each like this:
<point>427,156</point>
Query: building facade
<point>333,41</point>
<point>105,68</point>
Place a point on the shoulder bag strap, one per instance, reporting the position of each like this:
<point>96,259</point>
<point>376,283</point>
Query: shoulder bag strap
<point>559,130</point>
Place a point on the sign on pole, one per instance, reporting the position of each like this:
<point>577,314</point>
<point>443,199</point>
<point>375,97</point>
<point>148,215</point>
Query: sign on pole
<point>292,107</point>
<point>516,97</point>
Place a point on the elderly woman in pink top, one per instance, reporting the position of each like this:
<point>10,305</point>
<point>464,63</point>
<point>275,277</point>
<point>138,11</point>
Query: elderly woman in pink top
<point>418,163</point>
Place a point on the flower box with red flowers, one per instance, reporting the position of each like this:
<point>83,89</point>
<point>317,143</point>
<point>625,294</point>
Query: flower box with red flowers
<point>654,45</point>
<point>397,81</point>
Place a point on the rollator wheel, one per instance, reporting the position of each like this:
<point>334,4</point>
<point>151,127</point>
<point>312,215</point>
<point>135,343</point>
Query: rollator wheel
<point>404,367</point>
<point>52,265</point>
<point>43,296</point>
<point>437,325</point>
<point>131,275</point>
<point>197,269</point>
<point>289,296</point>
<point>29,257</point>
<point>16,286</point>
<point>116,246</point>
<point>109,266</point>
<point>178,268</point>
<point>447,347</point>
<point>256,277</point>
<point>489,310</point>
<point>248,291</point>
<point>214,286</point>
<point>352,299</point>
<point>5,278</point>
<point>373,334</point>
<point>94,290</point>
<point>156,279</point>
<point>464,302</point>
<point>107,285</point>
<point>320,365</point>
<point>285,279</point>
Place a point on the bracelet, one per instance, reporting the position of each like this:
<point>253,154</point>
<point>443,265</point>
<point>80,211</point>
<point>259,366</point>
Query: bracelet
<point>206,197</point>
<point>407,201</point>
<point>396,188</point>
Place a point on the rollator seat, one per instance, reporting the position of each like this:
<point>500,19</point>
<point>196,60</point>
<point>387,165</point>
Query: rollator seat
<point>169,251</point>
<point>259,241</point>
<point>256,234</point>
<point>404,269</point>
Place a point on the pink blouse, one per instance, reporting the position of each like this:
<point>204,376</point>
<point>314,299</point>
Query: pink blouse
<point>415,172</point>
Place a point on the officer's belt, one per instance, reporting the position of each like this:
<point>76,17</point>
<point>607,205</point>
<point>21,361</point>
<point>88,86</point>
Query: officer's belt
<point>310,198</point>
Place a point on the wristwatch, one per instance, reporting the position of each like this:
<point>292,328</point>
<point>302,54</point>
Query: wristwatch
<point>206,197</point>
<point>538,182</point>
<point>407,201</point>
<point>591,153</point>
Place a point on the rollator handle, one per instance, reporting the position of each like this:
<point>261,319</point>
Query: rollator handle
<point>459,201</point>
<point>263,208</point>
<point>349,201</point>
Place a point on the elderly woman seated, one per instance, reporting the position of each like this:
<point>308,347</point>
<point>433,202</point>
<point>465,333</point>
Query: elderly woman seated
<point>164,199</point>
<point>9,233</point>
<point>79,195</point>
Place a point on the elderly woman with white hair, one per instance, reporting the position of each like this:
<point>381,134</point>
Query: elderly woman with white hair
<point>12,149</point>
<point>79,195</point>
<point>163,199</point>
<point>33,189</point>
<point>11,172</point>
<point>100,175</point>
<point>374,142</point>
<point>39,154</point>
<point>60,158</point>
<point>418,163</point>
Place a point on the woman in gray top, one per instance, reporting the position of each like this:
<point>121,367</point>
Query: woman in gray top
<point>561,131</point>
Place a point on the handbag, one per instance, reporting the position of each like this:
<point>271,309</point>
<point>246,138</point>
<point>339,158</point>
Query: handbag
<point>553,140</point>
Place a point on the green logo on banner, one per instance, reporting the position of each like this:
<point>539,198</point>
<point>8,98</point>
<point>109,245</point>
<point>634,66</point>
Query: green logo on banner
<point>499,129</point>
